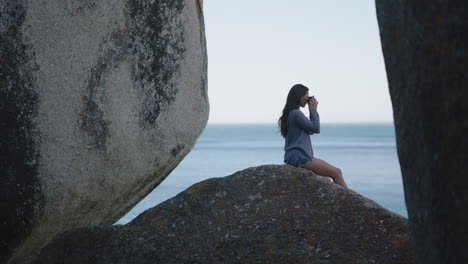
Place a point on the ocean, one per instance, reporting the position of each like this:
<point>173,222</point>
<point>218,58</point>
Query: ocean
<point>365,152</point>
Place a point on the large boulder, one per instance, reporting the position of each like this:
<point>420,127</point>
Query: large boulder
<point>266,214</point>
<point>99,101</point>
<point>425,47</point>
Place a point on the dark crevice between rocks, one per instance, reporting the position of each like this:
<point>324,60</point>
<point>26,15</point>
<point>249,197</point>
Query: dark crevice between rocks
<point>20,193</point>
<point>145,187</point>
<point>156,66</point>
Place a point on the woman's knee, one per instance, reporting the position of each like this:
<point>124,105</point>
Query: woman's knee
<point>338,173</point>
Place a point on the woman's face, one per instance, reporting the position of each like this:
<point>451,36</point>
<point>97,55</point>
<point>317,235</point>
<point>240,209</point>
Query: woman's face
<point>303,100</point>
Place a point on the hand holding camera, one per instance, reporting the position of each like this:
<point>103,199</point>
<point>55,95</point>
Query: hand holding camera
<point>312,102</point>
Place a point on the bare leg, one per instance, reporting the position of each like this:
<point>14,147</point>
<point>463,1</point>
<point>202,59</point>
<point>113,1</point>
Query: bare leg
<point>322,168</point>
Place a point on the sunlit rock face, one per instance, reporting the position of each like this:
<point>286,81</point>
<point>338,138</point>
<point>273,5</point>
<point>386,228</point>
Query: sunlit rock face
<point>265,214</point>
<point>425,46</point>
<point>99,101</point>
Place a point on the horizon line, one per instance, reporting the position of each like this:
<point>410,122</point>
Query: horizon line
<point>327,123</point>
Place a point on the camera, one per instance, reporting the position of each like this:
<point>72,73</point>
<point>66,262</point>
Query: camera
<point>310,97</point>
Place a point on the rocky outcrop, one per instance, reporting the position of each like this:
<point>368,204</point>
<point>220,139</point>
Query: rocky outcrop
<point>266,214</point>
<point>425,47</point>
<point>99,101</point>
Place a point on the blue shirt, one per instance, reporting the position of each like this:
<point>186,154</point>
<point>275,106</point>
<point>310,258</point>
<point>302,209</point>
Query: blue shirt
<point>299,130</point>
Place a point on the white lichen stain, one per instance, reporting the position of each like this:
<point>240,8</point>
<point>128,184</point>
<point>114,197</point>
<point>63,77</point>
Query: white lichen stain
<point>221,194</point>
<point>256,196</point>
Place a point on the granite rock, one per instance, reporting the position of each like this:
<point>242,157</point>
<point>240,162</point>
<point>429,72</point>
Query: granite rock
<point>265,214</point>
<point>99,101</point>
<point>425,47</point>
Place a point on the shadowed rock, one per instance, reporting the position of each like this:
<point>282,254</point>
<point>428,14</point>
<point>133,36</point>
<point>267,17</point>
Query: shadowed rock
<point>266,214</point>
<point>99,101</point>
<point>425,46</point>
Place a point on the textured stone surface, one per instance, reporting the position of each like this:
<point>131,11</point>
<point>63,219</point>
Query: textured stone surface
<point>425,46</point>
<point>99,101</point>
<point>266,214</point>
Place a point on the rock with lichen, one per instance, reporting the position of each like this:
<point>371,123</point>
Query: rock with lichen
<point>265,214</point>
<point>99,101</point>
<point>425,47</point>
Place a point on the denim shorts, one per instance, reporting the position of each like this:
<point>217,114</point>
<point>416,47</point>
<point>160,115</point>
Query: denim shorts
<point>296,157</point>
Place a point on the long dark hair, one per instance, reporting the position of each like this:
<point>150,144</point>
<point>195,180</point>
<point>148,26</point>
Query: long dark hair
<point>294,96</point>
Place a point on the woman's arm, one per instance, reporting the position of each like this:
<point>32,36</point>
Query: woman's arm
<point>311,126</point>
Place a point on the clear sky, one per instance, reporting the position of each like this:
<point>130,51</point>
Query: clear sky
<point>258,49</point>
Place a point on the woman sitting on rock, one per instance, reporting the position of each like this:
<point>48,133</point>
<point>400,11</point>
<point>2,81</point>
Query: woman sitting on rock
<point>296,128</point>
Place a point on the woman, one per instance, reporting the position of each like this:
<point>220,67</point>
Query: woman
<point>296,128</point>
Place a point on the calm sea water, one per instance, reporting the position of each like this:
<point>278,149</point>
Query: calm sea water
<point>366,153</point>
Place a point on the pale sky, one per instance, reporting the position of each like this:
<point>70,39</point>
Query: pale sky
<point>258,49</point>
